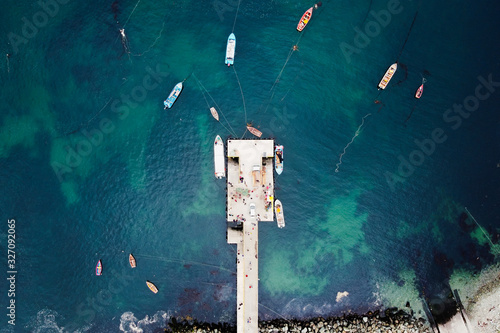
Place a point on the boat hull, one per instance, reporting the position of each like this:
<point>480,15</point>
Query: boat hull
<point>278,210</point>
<point>214,113</point>
<point>230,49</point>
<point>131,261</point>
<point>419,91</point>
<point>219,161</point>
<point>254,131</point>
<point>388,76</point>
<point>305,19</point>
<point>174,94</point>
<point>152,287</point>
<point>278,159</point>
<point>98,268</point>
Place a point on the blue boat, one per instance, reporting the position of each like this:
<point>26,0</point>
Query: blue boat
<point>173,95</point>
<point>231,46</point>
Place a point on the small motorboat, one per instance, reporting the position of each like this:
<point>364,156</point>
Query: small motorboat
<point>214,113</point>
<point>305,19</point>
<point>131,260</point>
<point>98,268</point>
<point>230,48</point>
<point>278,159</point>
<point>152,287</point>
<point>420,89</point>
<point>173,96</point>
<point>254,131</point>
<point>219,161</point>
<point>278,210</point>
<point>388,76</point>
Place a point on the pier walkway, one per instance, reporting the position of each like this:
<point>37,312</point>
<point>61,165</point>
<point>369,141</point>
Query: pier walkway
<point>250,197</point>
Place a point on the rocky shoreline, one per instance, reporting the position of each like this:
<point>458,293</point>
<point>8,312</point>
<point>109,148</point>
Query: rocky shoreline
<point>390,320</point>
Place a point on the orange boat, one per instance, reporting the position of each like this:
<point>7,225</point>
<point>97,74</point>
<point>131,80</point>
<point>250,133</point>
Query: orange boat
<point>131,260</point>
<point>305,19</point>
<point>152,287</point>
<point>254,131</point>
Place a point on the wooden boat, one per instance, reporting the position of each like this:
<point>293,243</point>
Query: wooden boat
<point>388,76</point>
<point>278,210</point>
<point>98,268</point>
<point>219,161</point>
<point>278,159</point>
<point>173,96</point>
<point>152,287</point>
<point>230,48</point>
<point>305,19</point>
<point>214,113</point>
<point>254,131</point>
<point>131,260</point>
<point>420,89</point>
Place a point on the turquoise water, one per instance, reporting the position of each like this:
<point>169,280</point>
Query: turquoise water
<point>93,168</point>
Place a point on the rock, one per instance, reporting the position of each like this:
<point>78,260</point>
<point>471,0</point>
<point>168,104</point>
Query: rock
<point>365,319</point>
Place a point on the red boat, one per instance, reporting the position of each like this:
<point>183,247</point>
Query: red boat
<point>305,19</point>
<point>420,90</point>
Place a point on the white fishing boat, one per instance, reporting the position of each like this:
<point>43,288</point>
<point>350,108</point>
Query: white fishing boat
<point>219,162</point>
<point>230,48</point>
<point>278,210</point>
<point>214,113</point>
<point>388,76</point>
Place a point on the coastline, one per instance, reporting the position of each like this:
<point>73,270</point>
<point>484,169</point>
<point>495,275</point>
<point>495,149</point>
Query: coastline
<point>391,320</point>
<point>480,295</point>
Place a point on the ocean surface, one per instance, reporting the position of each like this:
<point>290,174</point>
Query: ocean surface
<point>92,167</point>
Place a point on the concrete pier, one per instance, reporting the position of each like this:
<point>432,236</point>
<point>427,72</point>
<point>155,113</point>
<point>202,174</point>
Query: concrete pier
<point>250,198</point>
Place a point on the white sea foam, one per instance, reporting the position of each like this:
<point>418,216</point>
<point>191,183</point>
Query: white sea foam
<point>130,324</point>
<point>46,320</point>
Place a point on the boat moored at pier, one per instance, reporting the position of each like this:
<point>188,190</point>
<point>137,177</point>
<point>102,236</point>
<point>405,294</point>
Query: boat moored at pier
<point>219,161</point>
<point>280,218</point>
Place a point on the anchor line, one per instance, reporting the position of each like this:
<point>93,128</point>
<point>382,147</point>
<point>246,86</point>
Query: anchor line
<point>232,132</point>
<point>484,232</point>
<point>235,16</point>
<point>367,12</point>
<point>242,96</point>
<point>133,10</point>
<point>358,131</point>
<point>153,44</point>
<point>407,36</point>
<point>277,80</point>
<point>290,53</point>
<point>409,116</point>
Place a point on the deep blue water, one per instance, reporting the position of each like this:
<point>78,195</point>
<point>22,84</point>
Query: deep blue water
<point>92,167</point>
